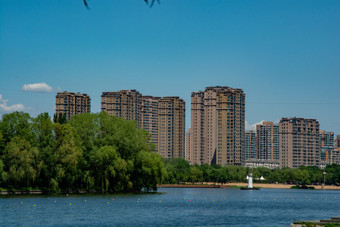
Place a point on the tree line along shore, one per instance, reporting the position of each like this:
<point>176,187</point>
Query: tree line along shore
<point>101,153</point>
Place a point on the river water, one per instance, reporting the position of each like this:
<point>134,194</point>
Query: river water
<point>172,207</point>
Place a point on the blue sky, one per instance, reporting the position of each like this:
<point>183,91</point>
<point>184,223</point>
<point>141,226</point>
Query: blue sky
<point>285,55</point>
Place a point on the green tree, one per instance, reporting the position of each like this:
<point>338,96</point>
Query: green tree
<point>68,157</point>
<point>3,175</point>
<point>43,130</point>
<point>2,143</point>
<point>88,128</point>
<point>17,124</point>
<point>21,163</point>
<point>122,180</point>
<point>302,176</point>
<point>178,169</point>
<point>315,173</point>
<point>124,134</point>
<point>275,175</point>
<point>102,163</point>
<point>196,175</point>
<point>332,174</point>
<point>237,173</point>
<point>148,171</point>
<point>59,118</point>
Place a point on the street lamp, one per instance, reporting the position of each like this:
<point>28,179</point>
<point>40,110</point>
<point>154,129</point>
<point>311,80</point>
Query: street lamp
<point>324,174</point>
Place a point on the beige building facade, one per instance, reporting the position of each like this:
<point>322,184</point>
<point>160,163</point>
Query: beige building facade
<point>217,124</point>
<point>171,127</point>
<point>149,117</point>
<point>250,144</point>
<point>326,139</point>
<point>197,128</point>
<point>337,141</point>
<point>267,141</point>
<point>126,104</point>
<point>188,145</point>
<point>163,118</point>
<point>299,142</point>
<point>70,104</point>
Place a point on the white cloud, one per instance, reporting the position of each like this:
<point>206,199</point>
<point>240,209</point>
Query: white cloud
<point>37,87</point>
<point>253,126</point>
<point>247,126</point>
<point>258,123</point>
<point>5,108</point>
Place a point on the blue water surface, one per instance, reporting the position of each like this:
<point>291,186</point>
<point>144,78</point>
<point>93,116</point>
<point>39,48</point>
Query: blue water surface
<point>173,207</point>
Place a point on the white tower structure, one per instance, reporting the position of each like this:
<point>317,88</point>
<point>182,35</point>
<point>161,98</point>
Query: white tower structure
<point>250,180</point>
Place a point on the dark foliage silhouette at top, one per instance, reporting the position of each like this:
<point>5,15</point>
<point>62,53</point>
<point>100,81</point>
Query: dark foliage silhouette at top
<point>151,2</point>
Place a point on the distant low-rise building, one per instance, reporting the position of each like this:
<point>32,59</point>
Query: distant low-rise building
<point>254,163</point>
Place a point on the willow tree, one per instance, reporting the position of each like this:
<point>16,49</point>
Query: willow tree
<point>68,157</point>
<point>21,163</point>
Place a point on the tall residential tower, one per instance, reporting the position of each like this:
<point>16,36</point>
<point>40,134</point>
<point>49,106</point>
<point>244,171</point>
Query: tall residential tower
<point>125,104</point>
<point>149,117</point>
<point>70,104</point>
<point>299,142</point>
<point>171,127</point>
<point>250,145</point>
<point>163,118</point>
<point>267,141</point>
<point>218,124</point>
<point>326,139</point>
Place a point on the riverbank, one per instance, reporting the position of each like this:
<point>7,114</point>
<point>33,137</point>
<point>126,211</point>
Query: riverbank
<point>240,184</point>
<point>184,185</point>
<point>40,192</point>
<point>283,186</point>
<point>192,186</point>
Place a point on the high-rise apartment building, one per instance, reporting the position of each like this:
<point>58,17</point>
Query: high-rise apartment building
<point>250,145</point>
<point>149,117</point>
<point>217,124</point>
<point>267,141</point>
<point>171,127</point>
<point>188,145</point>
<point>70,104</point>
<point>337,141</point>
<point>328,156</point>
<point>326,139</point>
<point>299,142</point>
<point>197,128</point>
<point>126,104</point>
<point>163,118</point>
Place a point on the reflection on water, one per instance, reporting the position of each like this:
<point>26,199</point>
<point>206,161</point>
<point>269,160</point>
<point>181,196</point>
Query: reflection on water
<point>174,207</point>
